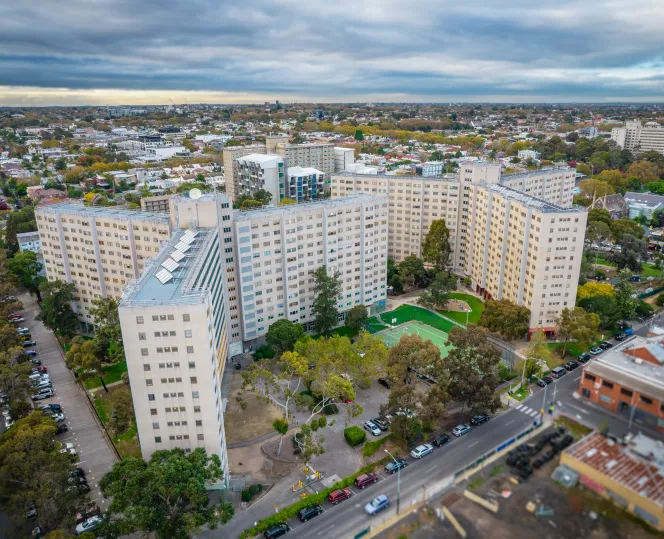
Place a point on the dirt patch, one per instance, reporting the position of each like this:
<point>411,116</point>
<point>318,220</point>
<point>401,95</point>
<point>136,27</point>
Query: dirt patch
<point>457,305</point>
<point>250,421</point>
<point>286,456</point>
<point>250,461</point>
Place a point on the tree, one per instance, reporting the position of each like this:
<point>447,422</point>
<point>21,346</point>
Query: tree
<point>166,496</point>
<point>283,334</point>
<point>599,214</point>
<point>598,231</point>
<point>25,268</point>
<point>298,138</point>
<point>397,284</point>
<point>625,303</point>
<point>327,290</point>
<point>592,289</point>
<point>614,179</point>
<point>14,381</point>
<point>85,356</point>
<point>645,171</point>
<point>263,196</point>
<point>281,426</point>
<point>595,189</point>
<point>437,293</point>
<point>18,222</point>
<point>250,204</point>
<point>436,247</point>
<point>108,333</point>
<point>472,364</point>
<point>122,410</point>
<point>620,227</point>
<point>411,270</point>
<point>33,471</point>
<point>632,251</point>
<point>578,325</point>
<point>603,306</point>
<point>287,202</point>
<point>359,135</point>
<point>506,318</point>
<point>56,312</point>
<point>60,164</point>
<point>356,318</point>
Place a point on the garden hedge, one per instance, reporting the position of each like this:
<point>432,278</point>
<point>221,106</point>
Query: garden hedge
<point>354,435</point>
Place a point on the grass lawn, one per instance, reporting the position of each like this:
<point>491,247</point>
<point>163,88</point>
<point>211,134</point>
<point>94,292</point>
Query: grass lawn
<point>112,373</point>
<point>520,394</point>
<point>373,325</point>
<point>126,443</point>
<point>406,313</point>
<point>473,302</point>
<point>103,407</point>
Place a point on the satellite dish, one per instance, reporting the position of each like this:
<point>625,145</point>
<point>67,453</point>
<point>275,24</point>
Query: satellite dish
<point>195,194</point>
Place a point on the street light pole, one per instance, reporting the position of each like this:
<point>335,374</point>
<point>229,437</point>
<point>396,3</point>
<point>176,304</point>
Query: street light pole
<point>546,386</point>
<point>398,478</point>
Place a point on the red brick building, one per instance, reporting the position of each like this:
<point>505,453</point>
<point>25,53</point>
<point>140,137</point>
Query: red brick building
<point>629,380</point>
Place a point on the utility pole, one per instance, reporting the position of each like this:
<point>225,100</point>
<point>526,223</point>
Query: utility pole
<point>398,478</point>
<point>546,386</point>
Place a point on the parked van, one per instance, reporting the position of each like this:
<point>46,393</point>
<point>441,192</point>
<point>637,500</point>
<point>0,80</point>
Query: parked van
<point>558,372</point>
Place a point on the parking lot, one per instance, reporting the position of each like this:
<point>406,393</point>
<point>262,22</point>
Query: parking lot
<point>95,455</point>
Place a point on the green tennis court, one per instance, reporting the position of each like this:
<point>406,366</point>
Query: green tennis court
<point>391,336</point>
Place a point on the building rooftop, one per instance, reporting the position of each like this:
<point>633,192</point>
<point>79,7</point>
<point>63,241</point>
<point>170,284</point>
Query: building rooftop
<point>247,215</point>
<point>260,158</point>
<point>27,236</point>
<point>302,171</point>
<point>393,177</point>
<point>627,465</point>
<point>109,212</point>
<point>644,198</point>
<point>167,279</point>
<point>538,172</point>
<point>529,200</point>
<point>625,363</point>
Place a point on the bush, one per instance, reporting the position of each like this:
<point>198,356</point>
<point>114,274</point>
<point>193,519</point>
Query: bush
<point>331,409</point>
<point>314,424</point>
<point>265,351</point>
<point>322,422</point>
<point>660,300</point>
<point>245,495</point>
<point>354,435</point>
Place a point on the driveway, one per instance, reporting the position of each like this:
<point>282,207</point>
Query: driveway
<point>95,454</point>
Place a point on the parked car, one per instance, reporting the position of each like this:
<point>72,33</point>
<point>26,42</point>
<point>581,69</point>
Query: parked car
<point>372,428</point>
<point>365,479</point>
<point>23,330</point>
<point>620,337</point>
<point>43,394</point>
<point>585,357</point>
<point>421,451</point>
<point>26,344</point>
<point>84,513</point>
<point>25,336</point>
<point>629,331</point>
<point>338,495</point>
<point>479,419</point>
<point>31,513</point>
<point>595,351</point>
<point>460,430</point>
<point>376,505</point>
<point>81,488</point>
<point>604,345</point>
<point>88,525</point>
<point>32,353</point>
<point>61,428</point>
<point>558,372</point>
<point>68,448</point>
<point>13,316</point>
<point>394,466</point>
<point>307,513</point>
<point>441,439</point>
<point>381,423</point>
<point>544,381</point>
<point>276,531</point>
<point>571,365</point>
<point>18,320</point>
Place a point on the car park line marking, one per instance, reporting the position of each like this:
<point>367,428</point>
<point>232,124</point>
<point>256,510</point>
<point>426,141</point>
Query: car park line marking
<point>471,445</point>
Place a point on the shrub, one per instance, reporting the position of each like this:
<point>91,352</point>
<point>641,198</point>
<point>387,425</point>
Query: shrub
<point>331,409</point>
<point>314,424</point>
<point>354,435</point>
<point>245,495</point>
<point>266,352</point>
<point>322,422</point>
<point>660,300</point>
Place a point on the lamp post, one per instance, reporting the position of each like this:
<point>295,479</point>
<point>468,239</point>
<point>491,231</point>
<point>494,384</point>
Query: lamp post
<point>467,313</point>
<point>398,477</point>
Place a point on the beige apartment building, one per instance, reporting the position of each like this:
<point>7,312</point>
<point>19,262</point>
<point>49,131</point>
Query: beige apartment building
<point>98,249</point>
<point>320,156</point>
<point>159,204</point>
<point>638,138</point>
<point>229,158</point>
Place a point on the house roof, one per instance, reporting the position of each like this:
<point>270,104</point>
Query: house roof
<point>644,198</point>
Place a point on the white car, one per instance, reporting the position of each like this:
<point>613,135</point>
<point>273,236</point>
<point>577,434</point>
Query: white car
<point>421,451</point>
<point>68,448</point>
<point>23,330</point>
<point>372,428</point>
<point>88,525</point>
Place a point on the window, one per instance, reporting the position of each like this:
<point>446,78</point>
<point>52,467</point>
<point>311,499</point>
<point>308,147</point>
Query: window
<point>194,394</point>
<point>199,423</point>
<point>193,380</point>
<point>146,367</point>
<point>139,319</point>
<point>144,351</point>
<point>200,436</point>
<point>185,318</point>
<point>187,333</point>
<point>190,349</point>
<point>626,392</point>
<point>141,336</point>
<point>148,382</point>
<point>645,400</point>
<point>607,384</point>
<point>155,318</point>
<point>171,317</point>
<point>157,439</point>
<point>155,425</point>
<point>197,409</point>
<point>153,411</point>
<point>150,396</point>
<point>192,364</point>
<point>590,377</point>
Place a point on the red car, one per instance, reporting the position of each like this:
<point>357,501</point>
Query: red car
<point>338,495</point>
<point>363,480</point>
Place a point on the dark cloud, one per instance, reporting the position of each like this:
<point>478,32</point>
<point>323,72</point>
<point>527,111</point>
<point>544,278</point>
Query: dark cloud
<point>593,49</point>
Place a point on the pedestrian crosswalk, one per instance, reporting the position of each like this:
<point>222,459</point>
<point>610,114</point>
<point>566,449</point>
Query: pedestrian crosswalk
<point>526,410</point>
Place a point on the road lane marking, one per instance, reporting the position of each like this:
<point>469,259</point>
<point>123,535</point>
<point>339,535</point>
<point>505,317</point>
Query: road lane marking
<point>325,529</point>
<point>430,469</point>
<point>578,408</point>
<point>533,413</point>
<point>509,422</point>
<point>471,445</point>
<point>519,407</point>
<point>577,378</point>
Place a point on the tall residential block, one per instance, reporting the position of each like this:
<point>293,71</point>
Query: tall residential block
<point>302,184</point>
<point>159,204</point>
<point>174,329</point>
<point>229,159</point>
<point>639,138</point>
<point>343,157</point>
<point>99,249</point>
<point>259,171</point>
<point>316,155</point>
<point>278,249</point>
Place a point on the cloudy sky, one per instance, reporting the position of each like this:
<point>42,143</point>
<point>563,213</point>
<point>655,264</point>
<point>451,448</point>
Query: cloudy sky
<point>148,51</point>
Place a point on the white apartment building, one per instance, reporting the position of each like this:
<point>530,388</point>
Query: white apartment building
<point>174,332</point>
<point>99,249</point>
<point>343,157</point>
<point>277,250</point>
<point>529,154</point>
<point>553,184</point>
<point>639,138</point>
<point>526,250</point>
<point>29,241</point>
<point>229,158</point>
<point>259,171</point>
<point>302,184</point>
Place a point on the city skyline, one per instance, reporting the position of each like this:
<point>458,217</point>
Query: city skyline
<point>598,51</point>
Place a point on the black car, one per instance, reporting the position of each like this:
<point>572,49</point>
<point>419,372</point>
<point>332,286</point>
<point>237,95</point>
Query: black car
<point>479,419</point>
<point>620,337</point>
<point>61,428</point>
<point>605,345</point>
<point>381,423</point>
<point>571,365</point>
<point>394,466</point>
<point>276,531</point>
<point>385,383</point>
<point>307,513</point>
<point>544,381</point>
<point>78,472</point>
<point>585,357</point>
<point>441,439</point>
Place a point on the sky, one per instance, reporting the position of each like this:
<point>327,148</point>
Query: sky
<point>98,52</point>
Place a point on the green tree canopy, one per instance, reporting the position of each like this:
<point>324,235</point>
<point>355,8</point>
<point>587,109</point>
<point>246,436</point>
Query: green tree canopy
<point>577,325</point>
<point>356,317</point>
<point>437,293</point>
<point>327,290</point>
<point>57,313</point>
<point>625,303</point>
<point>620,227</point>
<point>25,268</point>
<point>506,318</point>
<point>436,247</point>
<point>283,334</point>
<point>18,222</point>
<point>411,270</point>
